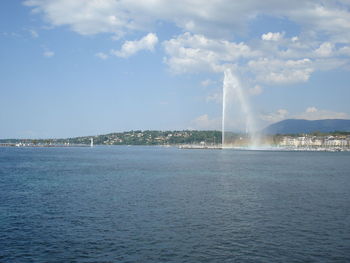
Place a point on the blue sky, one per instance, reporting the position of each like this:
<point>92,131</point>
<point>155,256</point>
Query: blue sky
<point>71,68</point>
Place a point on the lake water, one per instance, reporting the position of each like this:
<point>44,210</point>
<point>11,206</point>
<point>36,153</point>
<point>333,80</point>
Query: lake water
<point>155,204</point>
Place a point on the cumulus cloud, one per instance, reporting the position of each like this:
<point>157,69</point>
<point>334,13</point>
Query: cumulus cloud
<point>312,113</point>
<point>210,26</point>
<point>192,53</point>
<point>330,18</point>
<point>272,117</point>
<point>130,48</point>
<point>83,17</point>
<point>344,51</point>
<point>278,71</point>
<point>272,36</point>
<point>325,49</point>
<point>189,53</point>
<point>211,18</point>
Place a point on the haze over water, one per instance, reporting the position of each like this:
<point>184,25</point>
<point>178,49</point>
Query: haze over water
<point>154,204</point>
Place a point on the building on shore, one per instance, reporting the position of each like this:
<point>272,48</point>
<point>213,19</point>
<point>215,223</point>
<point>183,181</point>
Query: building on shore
<point>315,141</point>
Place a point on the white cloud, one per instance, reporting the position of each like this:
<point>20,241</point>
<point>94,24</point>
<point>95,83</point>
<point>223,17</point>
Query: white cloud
<point>101,55</point>
<point>325,64</point>
<point>212,18</point>
<point>312,113</point>
<point>272,36</point>
<point>326,17</point>
<point>325,49</point>
<point>83,17</point>
<point>324,26</point>
<point>130,48</point>
<point>277,71</point>
<point>192,53</point>
<point>279,115</point>
<point>48,53</point>
<point>344,51</point>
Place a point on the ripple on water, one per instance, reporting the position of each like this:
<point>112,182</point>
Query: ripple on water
<point>151,204</point>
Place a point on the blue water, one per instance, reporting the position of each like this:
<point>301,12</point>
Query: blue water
<point>154,204</point>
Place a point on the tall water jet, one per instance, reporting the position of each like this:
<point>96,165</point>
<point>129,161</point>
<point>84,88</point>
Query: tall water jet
<point>223,113</point>
<point>232,84</point>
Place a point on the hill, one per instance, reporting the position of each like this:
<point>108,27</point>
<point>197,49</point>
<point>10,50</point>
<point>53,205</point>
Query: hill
<point>134,138</point>
<point>294,126</point>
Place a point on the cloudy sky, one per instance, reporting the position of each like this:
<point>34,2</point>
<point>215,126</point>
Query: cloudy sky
<point>85,67</point>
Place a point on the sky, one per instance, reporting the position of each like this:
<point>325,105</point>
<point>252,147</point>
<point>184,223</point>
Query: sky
<point>88,67</point>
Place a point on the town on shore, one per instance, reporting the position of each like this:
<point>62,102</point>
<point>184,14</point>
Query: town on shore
<point>334,141</point>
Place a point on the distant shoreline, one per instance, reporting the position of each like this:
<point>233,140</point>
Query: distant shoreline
<point>42,145</point>
<point>193,147</point>
<point>194,139</point>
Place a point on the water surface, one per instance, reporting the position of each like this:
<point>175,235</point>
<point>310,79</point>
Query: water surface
<point>154,204</point>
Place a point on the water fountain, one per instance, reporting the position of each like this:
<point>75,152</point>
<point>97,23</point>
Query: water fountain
<point>233,87</point>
